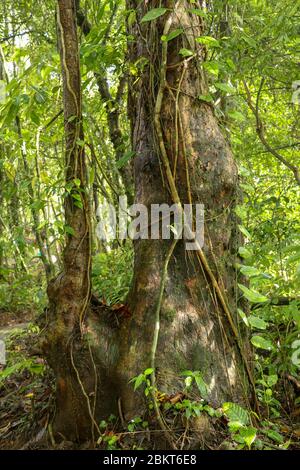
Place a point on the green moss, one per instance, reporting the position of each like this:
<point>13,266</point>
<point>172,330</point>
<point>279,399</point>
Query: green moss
<point>168,313</point>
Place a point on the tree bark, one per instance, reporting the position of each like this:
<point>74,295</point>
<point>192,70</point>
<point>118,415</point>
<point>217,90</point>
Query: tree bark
<point>198,326</point>
<point>69,293</point>
<point>195,333</point>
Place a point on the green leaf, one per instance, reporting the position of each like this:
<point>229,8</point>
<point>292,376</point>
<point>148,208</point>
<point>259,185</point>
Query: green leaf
<point>236,413</point>
<point>174,34</point>
<point>212,67</point>
<point>10,113</point>
<point>36,368</point>
<point>34,117</point>
<point>131,18</point>
<point>244,252</point>
<point>209,410</point>
<point>250,41</point>
<point>243,316</point>
<point>11,370</point>
<point>274,435</point>
<point>187,372</point>
<point>80,142</point>
<point>272,380</point>
<point>197,11</point>
<point>249,271</point>
<point>188,381</point>
<point>293,258</point>
<point>208,41</point>
<point>296,356</point>
<point>138,381</point>
<point>42,225</point>
<point>39,98</point>
<point>125,159</point>
<point>258,323</point>
<point>262,343</point>
<point>186,52</point>
<point>248,435</point>
<point>103,424</point>
<point>225,87</point>
<point>236,116</point>
<point>78,204</point>
<point>148,371</point>
<point>69,230</point>
<point>234,426</point>
<point>208,98</point>
<point>72,118</point>
<point>244,231</point>
<point>202,387</point>
<point>92,175</point>
<point>153,14</point>
<point>252,295</point>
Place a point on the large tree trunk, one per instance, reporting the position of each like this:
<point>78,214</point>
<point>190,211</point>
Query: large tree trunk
<point>196,332</point>
<point>177,140</point>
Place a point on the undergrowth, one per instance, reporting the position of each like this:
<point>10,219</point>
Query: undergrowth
<point>112,274</point>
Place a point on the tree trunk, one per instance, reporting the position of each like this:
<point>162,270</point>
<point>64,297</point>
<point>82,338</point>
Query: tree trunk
<point>182,157</point>
<point>195,331</point>
<point>69,293</point>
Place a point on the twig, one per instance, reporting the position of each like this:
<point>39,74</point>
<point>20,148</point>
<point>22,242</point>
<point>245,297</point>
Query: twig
<point>260,131</point>
<point>293,380</point>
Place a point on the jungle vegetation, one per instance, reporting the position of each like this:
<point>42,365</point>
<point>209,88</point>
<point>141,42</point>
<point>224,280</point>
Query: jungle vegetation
<point>126,344</point>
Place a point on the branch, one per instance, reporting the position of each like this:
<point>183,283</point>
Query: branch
<point>260,131</point>
<point>52,120</point>
<point>277,302</point>
<point>281,147</point>
<point>294,381</point>
<point>281,301</point>
<point>15,35</point>
<point>24,33</point>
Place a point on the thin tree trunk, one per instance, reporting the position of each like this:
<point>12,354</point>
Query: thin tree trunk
<point>34,211</point>
<point>45,233</point>
<point>113,109</point>
<point>13,211</point>
<point>69,293</point>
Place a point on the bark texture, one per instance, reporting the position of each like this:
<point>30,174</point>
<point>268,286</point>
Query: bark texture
<point>69,293</point>
<point>195,333</point>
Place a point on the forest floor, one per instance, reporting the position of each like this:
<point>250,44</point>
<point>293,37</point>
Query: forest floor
<point>26,385</point>
<point>27,400</point>
<point>9,320</point>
